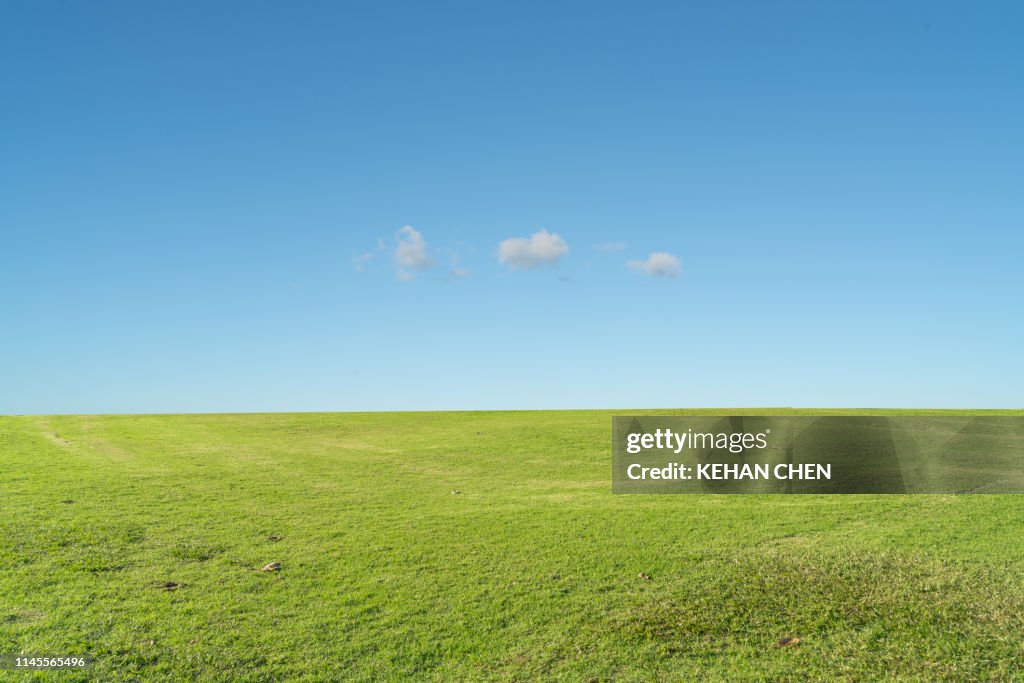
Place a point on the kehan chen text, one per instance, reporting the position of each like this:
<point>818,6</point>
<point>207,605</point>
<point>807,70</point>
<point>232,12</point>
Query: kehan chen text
<point>730,471</point>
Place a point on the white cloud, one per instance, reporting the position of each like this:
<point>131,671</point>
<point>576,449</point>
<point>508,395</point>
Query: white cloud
<point>610,246</point>
<point>540,249</point>
<point>658,264</point>
<point>411,254</point>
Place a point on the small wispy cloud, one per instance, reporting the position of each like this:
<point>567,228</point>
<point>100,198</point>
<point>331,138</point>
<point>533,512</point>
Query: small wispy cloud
<point>455,268</point>
<point>542,248</point>
<point>411,254</point>
<point>609,246</point>
<point>658,264</point>
<point>360,261</point>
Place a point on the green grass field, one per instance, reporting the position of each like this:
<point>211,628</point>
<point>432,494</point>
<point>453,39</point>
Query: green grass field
<point>472,546</point>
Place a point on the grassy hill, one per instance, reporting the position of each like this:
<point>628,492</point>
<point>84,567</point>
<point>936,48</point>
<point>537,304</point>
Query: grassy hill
<point>472,546</point>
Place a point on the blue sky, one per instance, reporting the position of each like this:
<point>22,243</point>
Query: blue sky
<point>203,204</point>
